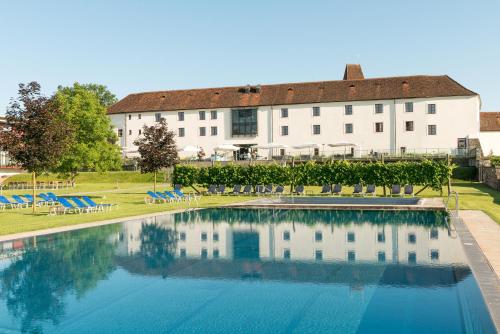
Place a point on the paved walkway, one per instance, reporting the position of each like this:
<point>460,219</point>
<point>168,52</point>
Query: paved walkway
<point>487,234</point>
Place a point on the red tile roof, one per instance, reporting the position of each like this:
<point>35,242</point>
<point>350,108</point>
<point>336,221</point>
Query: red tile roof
<point>421,86</point>
<point>490,121</point>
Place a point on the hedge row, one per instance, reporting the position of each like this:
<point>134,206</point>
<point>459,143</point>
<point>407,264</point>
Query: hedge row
<point>425,173</point>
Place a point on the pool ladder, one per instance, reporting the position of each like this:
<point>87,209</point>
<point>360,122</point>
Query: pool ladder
<point>452,214</point>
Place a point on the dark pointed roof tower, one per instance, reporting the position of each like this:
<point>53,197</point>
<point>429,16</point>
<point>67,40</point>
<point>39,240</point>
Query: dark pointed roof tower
<point>353,72</point>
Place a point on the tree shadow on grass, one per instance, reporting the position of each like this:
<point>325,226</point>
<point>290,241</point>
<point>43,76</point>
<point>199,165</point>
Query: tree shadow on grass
<point>483,190</point>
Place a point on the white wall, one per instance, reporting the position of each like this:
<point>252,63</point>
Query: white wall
<point>490,142</point>
<point>456,117</point>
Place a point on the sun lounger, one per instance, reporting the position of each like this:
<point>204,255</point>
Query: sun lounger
<point>81,205</point>
<point>221,189</point>
<point>370,190</point>
<point>337,189</point>
<point>268,189</point>
<point>67,206</point>
<point>396,190</point>
<point>171,197</point>
<point>299,190</point>
<point>260,189</point>
<point>52,196</point>
<point>20,201</point>
<point>409,190</point>
<point>279,190</point>
<point>153,198</point>
<point>247,190</point>
<point>358,190</point>
<point>236,189</point>
<point>97,206</point>
<point>212,190</point>
<point>6,202</point>
<point>326,189</point>
<point>46,198</point>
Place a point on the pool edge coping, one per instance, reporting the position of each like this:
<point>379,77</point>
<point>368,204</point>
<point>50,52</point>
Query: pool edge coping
<point>487,279</point>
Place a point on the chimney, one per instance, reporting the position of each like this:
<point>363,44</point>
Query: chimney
<point>353,72</point>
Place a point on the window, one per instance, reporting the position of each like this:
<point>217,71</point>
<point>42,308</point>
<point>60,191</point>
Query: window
<point>129,117</point>
<point>203,131</point>
<point>402,149</point>
<point>381,256</point>
<point>316,152</point>
<point>412,257</point>
<point>318,255</point>
<point>244,122</point>
<point>180,116</point>
<point>412,238</point>
<point>349,128</point>
<point>351,256</point>
<point>284,112</point>
<point>158,117</point>
<point>316,129</point>
<point>434,234</point>
<point>182,132</point>
<point>213,114</point>
<point>215,253</point>
<point>431,108</point>
<point>379,108</point>
<point>204,253</point>
<point>316,111</point>
<point>201,115</point>
<point>379,127</point>
<point>434,254</point>
<point>381,237</point>
<point>431,130</point>
<point>318,236</point>
<point>409,125</point>
<point>282,152</point>
<point>203,236</point>
<point>286,235</point>
<point>215,237</point>
<point>120,133</point>
<point>284,130</point>
<point>409,106</point>
<point>351,237</point>
<point>140,132</point>
<point>182,236</point>
<point>348,109</point>
<point>286,253</point>
<point>213,131</point>
<point>139,116</point>
<point>182,252</point>
<point>129,132</point>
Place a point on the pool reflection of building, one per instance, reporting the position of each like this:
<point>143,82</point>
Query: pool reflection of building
<point>286,240</point>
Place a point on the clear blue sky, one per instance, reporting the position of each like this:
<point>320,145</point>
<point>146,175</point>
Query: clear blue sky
<point>134,46</point>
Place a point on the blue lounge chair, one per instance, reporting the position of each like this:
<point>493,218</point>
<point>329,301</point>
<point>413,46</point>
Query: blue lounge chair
<point>164,196</point>
<point>5,202</point>
<point>67,206</point>
<point>212,190</point>
<point>326,189</point>
<point>82,206</point>
<point>46,198</point>
<point>337,189</point>
<point>299,190</point>
<point>100,206</point>
<point>171,197</point>
<point>358,190</point>
<point>236,189</point>
<point>370,190</point>
<point>396,190</point>
<point>153,198</point>
<point>180,195</point>
<point>19,200</point>
<point>53,196</point>
<point>268,189</point>
<point>279,190</point>
<point>409,190</point>
<point>247,190</point>
<point>260,189</point>
<point>31,199</point>
<point>221,189</point>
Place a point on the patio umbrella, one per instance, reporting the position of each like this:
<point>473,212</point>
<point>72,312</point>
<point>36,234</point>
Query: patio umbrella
<point>344,145</point>
<point>308,145</point>
<point>270,146</point>
<point>226,148</point>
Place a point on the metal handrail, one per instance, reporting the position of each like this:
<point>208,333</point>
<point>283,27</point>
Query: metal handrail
<point>455,194</point>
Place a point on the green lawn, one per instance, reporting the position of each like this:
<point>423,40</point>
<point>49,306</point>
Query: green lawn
<point>130,199</point>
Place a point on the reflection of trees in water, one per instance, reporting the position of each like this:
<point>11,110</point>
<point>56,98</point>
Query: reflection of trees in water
<point>337,217</point>
<point>158,245</point>
<point>35,285</point>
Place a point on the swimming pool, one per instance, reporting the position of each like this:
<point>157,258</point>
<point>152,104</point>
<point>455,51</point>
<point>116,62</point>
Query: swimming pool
<point>245,271</point>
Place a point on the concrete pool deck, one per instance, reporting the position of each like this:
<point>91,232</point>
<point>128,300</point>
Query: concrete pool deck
<point>343,203</point>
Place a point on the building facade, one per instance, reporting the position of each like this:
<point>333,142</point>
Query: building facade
<point>4,158</point>
<point>398,114</point>
<point>490,133</point>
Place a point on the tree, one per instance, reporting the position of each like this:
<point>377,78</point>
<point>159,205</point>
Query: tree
<point>93,141</point>
<point>38,135</point>
<point>105,97</point>
<point>157,149</point>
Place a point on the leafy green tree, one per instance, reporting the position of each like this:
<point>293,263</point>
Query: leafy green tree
<point>39,135</point>
<point>157,149</point>
<point>93,141</point>
<point>105,97</point>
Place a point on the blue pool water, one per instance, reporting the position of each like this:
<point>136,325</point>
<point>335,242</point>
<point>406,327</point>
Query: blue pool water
<point>245,271</point>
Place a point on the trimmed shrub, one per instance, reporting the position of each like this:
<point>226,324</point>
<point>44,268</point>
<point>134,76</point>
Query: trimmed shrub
<point>425,173</point>
<point>465,173</point>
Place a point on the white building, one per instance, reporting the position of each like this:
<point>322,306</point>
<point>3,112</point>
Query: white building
<point>395,114</point>
<point>490,133</point>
